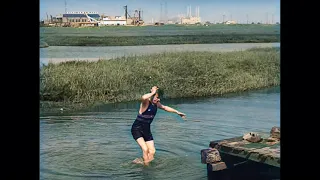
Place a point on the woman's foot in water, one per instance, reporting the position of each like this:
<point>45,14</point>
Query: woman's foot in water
<point>148,162</point>
<point>138,161</point>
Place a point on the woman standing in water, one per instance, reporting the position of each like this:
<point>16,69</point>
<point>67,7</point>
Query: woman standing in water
<point>140,129</point>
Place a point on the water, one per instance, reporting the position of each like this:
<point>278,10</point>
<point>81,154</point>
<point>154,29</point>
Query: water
<point>67,53</point>
<point>97,143</point>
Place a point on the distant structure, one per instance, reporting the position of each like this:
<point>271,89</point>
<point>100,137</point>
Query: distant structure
<point>65,6</point>
<point>230,22</point>
<point>80,18</point>
<point>191,19</point>
<point>136,19</point>
<point>113,21</point>
<point>83,18</point>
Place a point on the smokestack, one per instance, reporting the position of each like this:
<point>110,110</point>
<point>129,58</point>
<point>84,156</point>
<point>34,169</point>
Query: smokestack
<point>196,11</point>
<point>126,12</point>
<point>139,15</point>
<point>190,11</point>
<point>160,13</point>
<point>165,12</point>
<point>247,19</point>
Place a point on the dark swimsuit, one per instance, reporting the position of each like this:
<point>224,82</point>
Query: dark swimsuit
<point>141,126</point>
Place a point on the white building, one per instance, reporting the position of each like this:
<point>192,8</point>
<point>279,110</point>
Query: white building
<point>230,22</point>
<point>113,21</point>
<point>190,20</point>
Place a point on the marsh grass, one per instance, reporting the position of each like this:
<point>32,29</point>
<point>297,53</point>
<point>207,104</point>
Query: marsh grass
<point>166,30</point>
<point>159,35</point>
<point>181,74</point>
<point>159,40</point>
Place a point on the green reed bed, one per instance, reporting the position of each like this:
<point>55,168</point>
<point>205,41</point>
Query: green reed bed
<point>182,74</point>
<point>159,40</point>
<point>166,30</point>
<point>156,35</point>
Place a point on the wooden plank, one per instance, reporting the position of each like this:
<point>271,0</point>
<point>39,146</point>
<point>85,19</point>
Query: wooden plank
<point>218,166</point>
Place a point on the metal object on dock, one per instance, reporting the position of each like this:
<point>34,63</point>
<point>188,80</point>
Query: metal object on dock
<point>252,137</point>
<point>212,157</point>
<point>275,132</point>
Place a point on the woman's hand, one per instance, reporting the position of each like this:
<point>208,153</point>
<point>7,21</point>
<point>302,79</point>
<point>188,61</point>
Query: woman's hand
<point>154,89</point>
<point>183,116</point>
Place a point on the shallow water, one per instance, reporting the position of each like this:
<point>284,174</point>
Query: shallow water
<point>97,143</point>
<point>57,54</point>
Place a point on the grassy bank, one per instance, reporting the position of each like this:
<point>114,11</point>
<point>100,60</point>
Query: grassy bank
<point>151,35</point>
<point>183,74</point>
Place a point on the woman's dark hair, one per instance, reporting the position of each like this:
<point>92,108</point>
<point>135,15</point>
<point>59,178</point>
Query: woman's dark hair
<point>159,92</point>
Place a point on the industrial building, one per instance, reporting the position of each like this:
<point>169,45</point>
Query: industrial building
<point>82,18</point>
<point>191,19</point>
<point>230,22</point>
<point>113,21</point>
<point>79,16</point>
<point>53,21</point>
<point>127,19</point>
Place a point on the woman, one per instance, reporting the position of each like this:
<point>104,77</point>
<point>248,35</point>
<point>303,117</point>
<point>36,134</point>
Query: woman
<point>140,129</point>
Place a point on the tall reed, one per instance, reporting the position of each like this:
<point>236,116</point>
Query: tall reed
<point>181,74</point>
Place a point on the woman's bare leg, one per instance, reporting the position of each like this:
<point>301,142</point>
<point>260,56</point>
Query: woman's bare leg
<point>151,150</point>
<point>145,150</point>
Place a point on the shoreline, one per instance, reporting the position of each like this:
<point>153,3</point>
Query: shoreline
<point>48,108</point>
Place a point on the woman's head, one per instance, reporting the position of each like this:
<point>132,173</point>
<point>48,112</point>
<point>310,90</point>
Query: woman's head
<point>156,97</point>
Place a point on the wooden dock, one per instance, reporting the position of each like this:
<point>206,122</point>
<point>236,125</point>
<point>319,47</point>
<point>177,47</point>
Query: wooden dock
<point>257,149</point>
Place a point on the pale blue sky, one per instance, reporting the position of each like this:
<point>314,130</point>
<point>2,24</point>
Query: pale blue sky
<point>210,10</point>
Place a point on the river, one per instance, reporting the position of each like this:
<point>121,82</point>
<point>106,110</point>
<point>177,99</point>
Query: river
<point>58,54</point>
<point>97,144</point>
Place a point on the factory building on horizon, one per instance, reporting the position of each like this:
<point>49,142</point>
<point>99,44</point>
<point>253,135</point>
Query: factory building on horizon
<point>191,19</point>
<point>113,20</point>
<point>80,16</point>
<point>83,18</point>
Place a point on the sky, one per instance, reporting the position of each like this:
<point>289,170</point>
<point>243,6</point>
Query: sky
<point>210,10</point>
